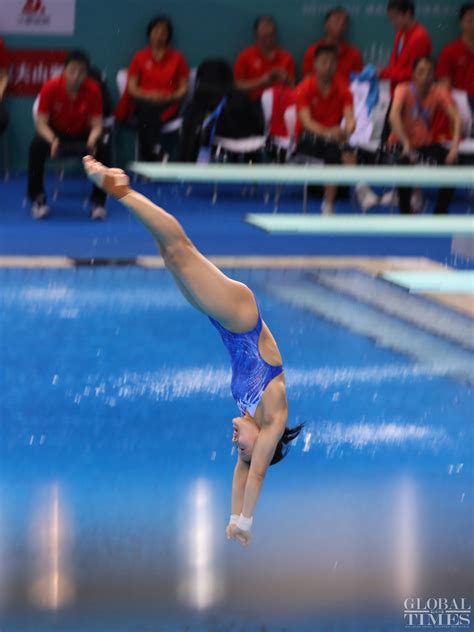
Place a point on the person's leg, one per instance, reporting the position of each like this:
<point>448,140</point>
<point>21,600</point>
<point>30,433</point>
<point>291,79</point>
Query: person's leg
<point>404,193</point>
<point>3,117</point>
<point>332,156</point>
<point>149,129</point>
<point>38,154</point>
<point>102,154</point>
<point>437,154</point>
<point>230,302</point>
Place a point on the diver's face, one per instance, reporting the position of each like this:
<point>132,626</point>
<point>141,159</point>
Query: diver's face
<point>244,436</point>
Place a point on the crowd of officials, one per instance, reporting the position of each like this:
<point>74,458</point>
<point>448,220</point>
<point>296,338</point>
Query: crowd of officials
<point>423,121</point>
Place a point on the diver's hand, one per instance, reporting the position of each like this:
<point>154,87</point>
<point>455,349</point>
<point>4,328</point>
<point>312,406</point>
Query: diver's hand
<point>229,530</point>
<point>244,537</point>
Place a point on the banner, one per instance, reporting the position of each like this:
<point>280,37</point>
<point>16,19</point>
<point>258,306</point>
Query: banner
<point>29,69</point>
<point>27,17</point>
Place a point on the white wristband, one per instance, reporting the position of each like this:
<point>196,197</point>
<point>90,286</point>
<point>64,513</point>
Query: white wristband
<point>233,518</point>
<point>244,523</point>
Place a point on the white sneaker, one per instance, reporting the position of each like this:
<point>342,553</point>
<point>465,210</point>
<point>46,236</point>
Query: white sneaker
<point>390,198</point>
<point>98,212</point>
<point>327,208</point>
<point>366,198</point>
<point>39,210</point>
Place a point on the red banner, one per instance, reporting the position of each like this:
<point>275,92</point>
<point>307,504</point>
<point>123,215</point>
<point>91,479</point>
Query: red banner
<point>29,69</point>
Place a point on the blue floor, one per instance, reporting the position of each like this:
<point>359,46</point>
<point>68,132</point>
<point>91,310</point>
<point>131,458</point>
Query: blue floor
<point>117,460</point>
<point>216,229</point>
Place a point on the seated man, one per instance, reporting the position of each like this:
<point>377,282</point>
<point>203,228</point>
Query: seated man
<point>264,64</point>
<point>68,123</point>
<point>349,59</point>
<point>413,110</point>
<point>3,87</point>
<point>157,82</point>
<point>323,100</point>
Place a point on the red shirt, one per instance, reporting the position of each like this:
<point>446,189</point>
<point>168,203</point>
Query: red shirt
<point>3,55</point>
<point>327,110</point>
<point>68,115</point>
<point>456,63</point>
<point>164,75</point>
<point>408,46</point>
<point>252,64</point>
<point>349,59</point>
<point>283,98</point>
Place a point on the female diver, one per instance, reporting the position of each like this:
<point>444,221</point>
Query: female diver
<point>258,383</point>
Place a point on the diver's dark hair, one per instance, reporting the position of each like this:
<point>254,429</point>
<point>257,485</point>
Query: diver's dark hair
<point>282,448</point>
<point>468,6</point>
<point>426,58</point>
<point>160,19</point>
<point>78,56</point>
<point>401,6</point>
<point>325,48</point>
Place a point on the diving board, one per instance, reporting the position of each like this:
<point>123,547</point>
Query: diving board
<point>448,281</point>
<point>413,225</point>
<point>306,174</point>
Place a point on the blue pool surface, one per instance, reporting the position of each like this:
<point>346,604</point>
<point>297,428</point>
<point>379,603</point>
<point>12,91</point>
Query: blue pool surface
<point>116,466</point>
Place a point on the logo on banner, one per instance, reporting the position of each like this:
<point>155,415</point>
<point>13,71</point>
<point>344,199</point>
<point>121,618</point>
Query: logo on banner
<point>437,612</point>
<point>34,13</point>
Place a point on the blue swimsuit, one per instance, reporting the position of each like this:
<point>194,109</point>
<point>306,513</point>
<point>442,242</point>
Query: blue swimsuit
<point>250,373</point>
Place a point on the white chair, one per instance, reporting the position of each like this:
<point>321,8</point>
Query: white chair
<point>466,147</point>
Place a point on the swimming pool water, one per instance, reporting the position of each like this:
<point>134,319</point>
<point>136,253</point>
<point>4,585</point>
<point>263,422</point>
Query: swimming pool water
<point>116,467</point>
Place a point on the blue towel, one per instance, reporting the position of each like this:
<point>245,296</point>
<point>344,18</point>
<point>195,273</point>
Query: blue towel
<point>369,73</point>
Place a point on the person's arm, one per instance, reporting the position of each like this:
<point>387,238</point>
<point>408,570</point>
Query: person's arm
<point>96,131</point>
<point>247,85</point>
<point>456,121</point>
<point>44,130</point>
<point>310,124</point>
<point>3,82</point>
<point>349,122</point>
<point>239,481</point>
<point>396,123</point>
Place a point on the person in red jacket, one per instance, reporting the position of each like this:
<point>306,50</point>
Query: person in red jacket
<point>349,59</point>
<point>68,122</point>
<point>456,61</point>
<point>157,82</point>
<point>412,41</point>
<point>263,64</point>
<point>323,101</point>
<point>3,86</point>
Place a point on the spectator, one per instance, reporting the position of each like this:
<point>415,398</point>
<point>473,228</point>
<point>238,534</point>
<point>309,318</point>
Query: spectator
<point>349,58</point>
<point>323,100</point>
<point>68,122</point>
<point>263,64</point>
<point>3,87</point>
<point>157,82</point>
<point>456,60</point>
<point>413,109</point>
<point>412,41</point>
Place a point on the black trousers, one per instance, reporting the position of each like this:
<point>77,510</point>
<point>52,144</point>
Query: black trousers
<point>69,146</point>
<point>434,155</point>
<point>3,117</point>
<point>149,124</point>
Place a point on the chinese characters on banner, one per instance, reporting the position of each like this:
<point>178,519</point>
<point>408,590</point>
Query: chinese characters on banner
<point>27,17</point>
<point>29,69</point>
